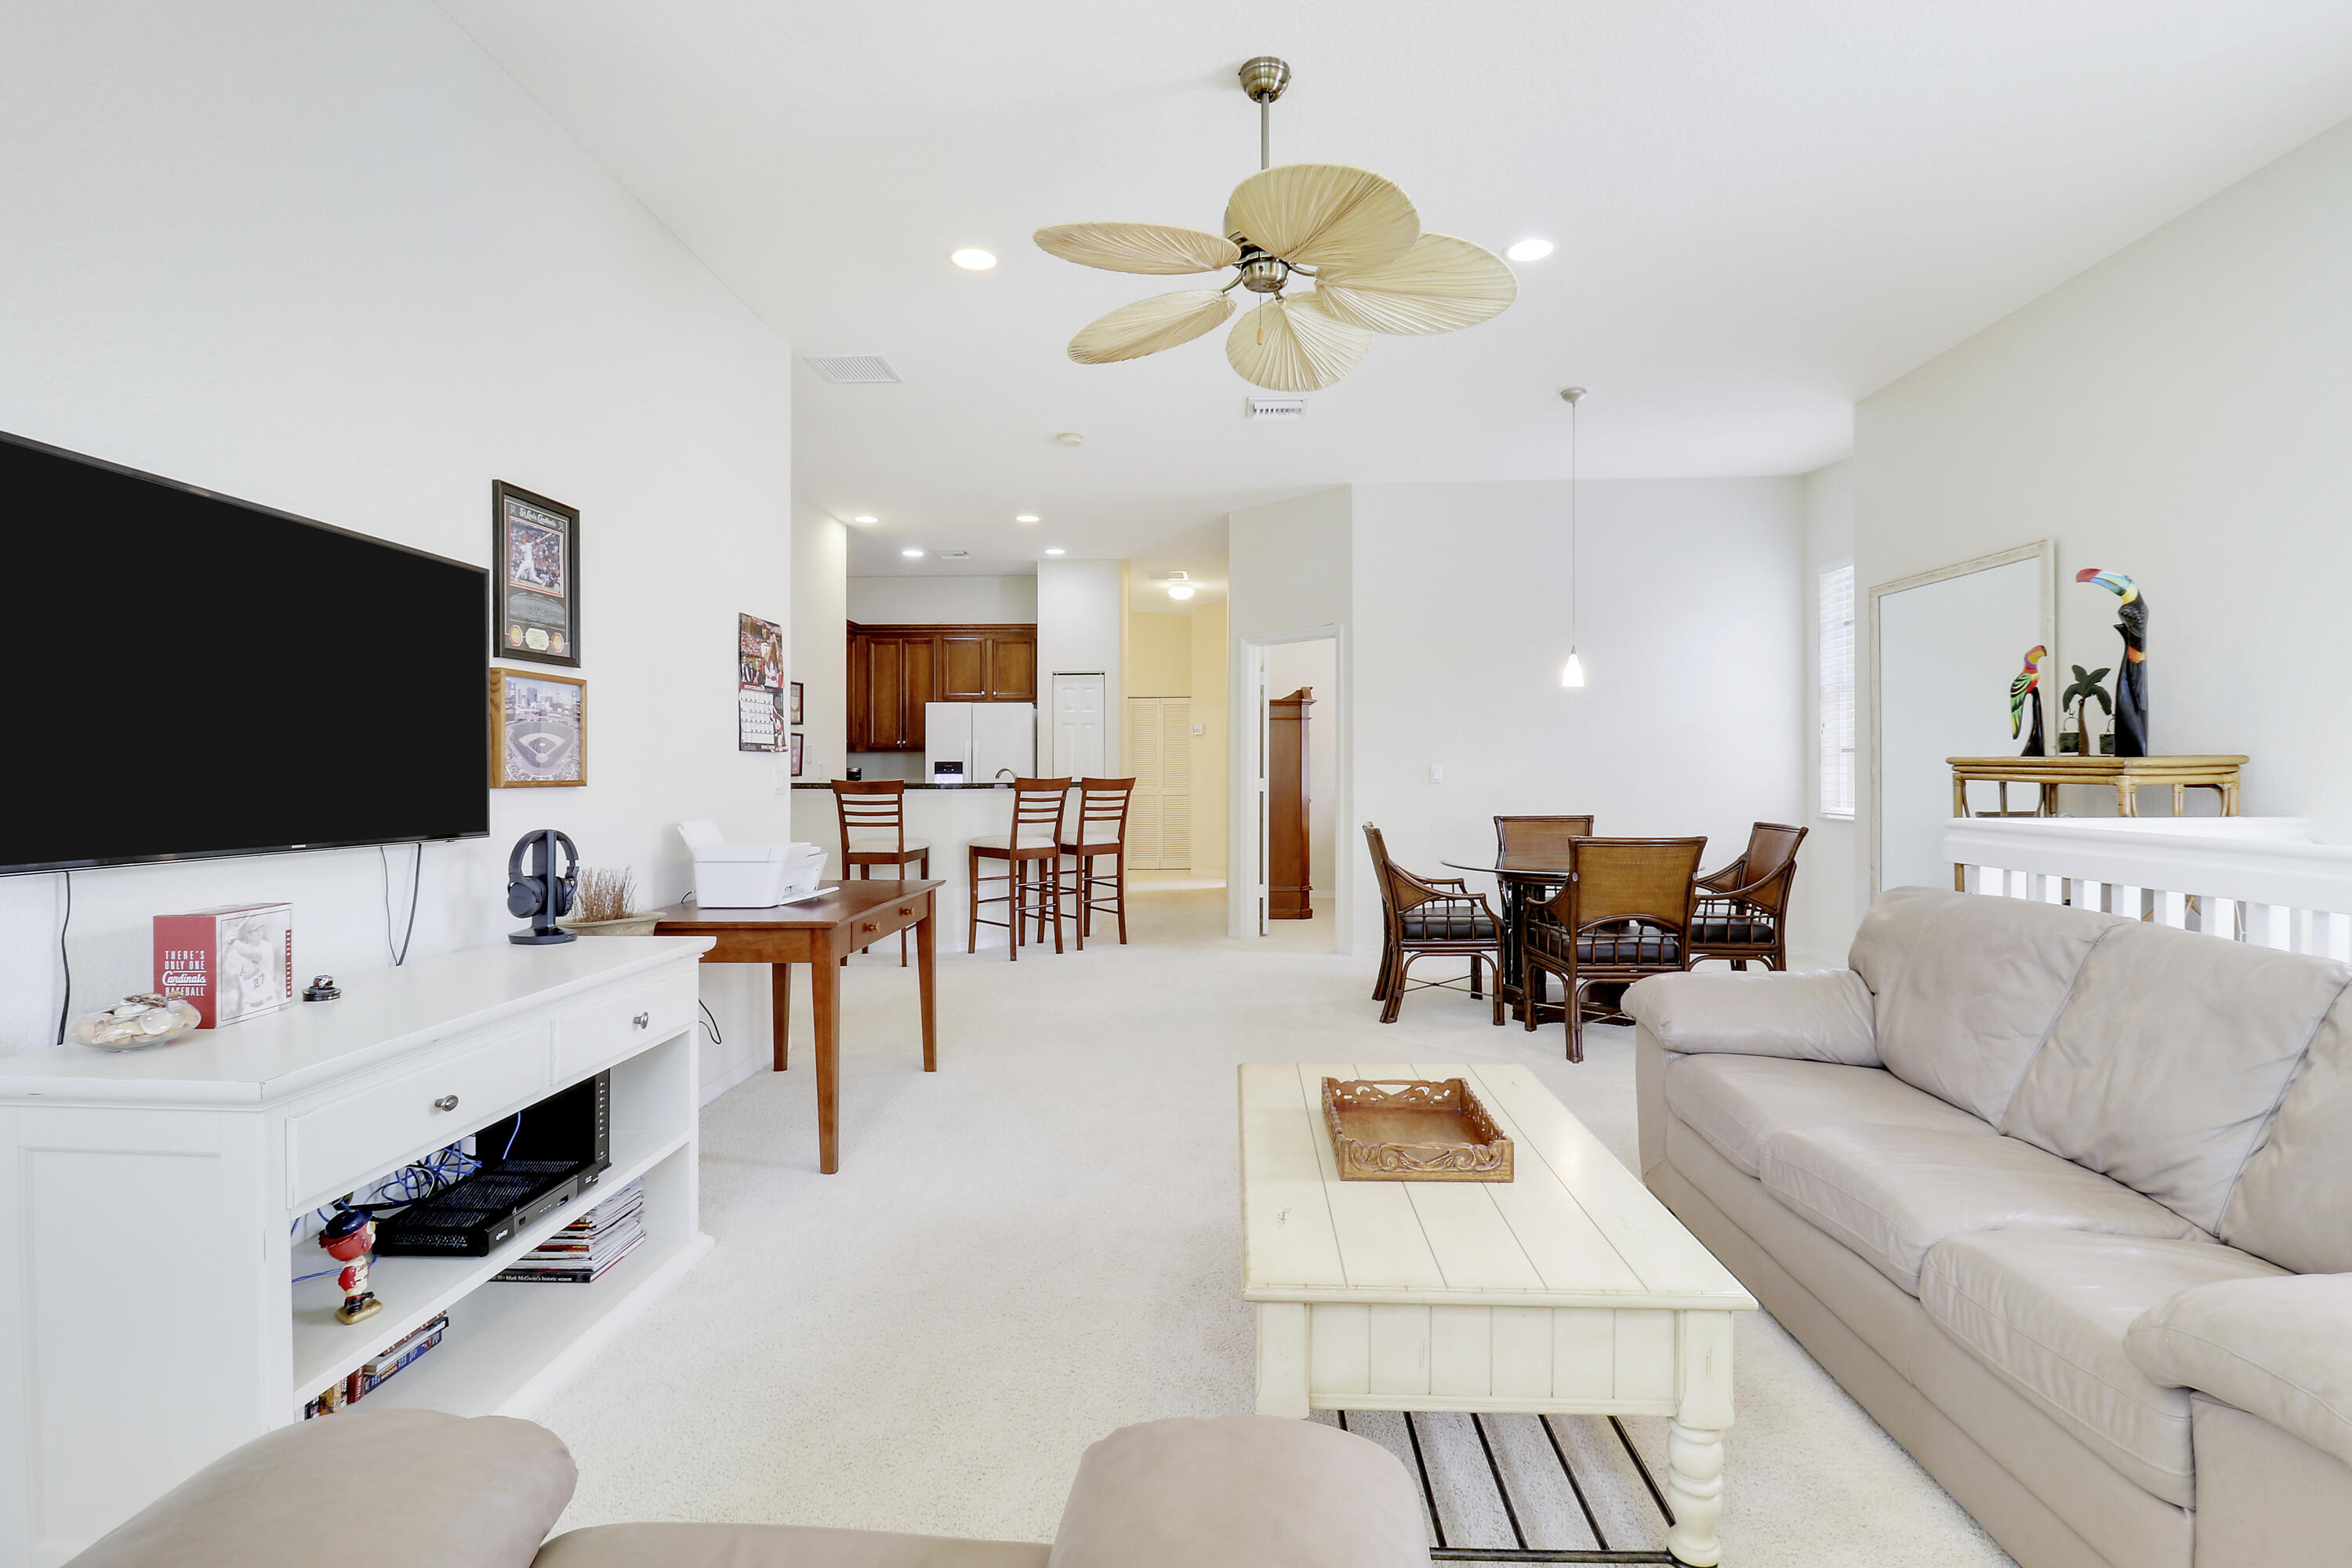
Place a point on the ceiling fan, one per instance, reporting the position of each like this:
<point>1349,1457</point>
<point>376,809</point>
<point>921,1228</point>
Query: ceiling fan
<point>1352,233</point>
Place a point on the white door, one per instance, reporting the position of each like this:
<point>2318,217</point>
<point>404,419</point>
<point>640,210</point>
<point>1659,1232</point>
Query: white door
<point>1265,723</point>
<point>1078,726</point>
<point>1159,813</point>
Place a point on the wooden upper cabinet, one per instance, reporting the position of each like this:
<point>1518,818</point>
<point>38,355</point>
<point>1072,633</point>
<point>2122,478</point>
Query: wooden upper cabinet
<point>895,669</point>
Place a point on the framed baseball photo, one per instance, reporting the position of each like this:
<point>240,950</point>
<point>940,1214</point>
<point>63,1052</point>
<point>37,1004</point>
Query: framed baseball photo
<point>539,729</point>
<point>535,559</point>
<point>796,754</point>
<point>796,704</point>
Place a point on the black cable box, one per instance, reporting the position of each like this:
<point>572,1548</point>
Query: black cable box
<point>533,1163</point>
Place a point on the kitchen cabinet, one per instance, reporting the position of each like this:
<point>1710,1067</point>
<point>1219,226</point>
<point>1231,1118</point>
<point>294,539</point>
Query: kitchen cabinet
<point>894,671</point>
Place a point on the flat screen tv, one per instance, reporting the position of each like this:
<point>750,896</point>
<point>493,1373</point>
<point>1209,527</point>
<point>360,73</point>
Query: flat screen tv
<point>189,676</point>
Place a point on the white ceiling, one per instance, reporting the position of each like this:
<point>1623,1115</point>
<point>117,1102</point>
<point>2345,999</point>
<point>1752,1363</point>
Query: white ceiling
<point>1764,211</point>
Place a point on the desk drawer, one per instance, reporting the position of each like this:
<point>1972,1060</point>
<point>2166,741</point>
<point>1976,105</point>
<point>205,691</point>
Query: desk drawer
<point>888,920</point>
<point>593,1037</point>
<point>363,1134</point>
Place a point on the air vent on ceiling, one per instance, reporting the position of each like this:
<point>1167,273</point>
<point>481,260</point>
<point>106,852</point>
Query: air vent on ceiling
<point>952,554</point>
<point>1169,577</point>
<point>1276,408</point>
<point>851,370</point>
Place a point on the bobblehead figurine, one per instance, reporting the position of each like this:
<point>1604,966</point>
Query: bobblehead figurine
<point>350,1240</point>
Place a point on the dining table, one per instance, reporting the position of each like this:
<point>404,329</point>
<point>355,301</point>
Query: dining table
<point>1523,876</point>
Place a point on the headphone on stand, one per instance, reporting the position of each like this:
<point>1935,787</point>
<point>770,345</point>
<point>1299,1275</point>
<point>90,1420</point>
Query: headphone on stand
<point>538,895</point>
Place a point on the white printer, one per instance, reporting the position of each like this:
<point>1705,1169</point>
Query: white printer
<point>749,876</point>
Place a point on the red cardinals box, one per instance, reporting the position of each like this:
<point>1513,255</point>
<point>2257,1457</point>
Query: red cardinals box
<point>228,964</point>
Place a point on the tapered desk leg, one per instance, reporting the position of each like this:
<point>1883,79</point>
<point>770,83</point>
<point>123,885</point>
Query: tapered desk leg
<point>924,949</point>
<point>825,982</point>
<point>779,1003</point>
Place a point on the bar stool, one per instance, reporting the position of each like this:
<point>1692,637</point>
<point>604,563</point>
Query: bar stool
<point>874,833</point>
<point>1100,830</point>
<point>1031,852</point>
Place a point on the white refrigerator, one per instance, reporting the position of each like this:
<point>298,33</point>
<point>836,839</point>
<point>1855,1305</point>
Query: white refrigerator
<point>973,742</point>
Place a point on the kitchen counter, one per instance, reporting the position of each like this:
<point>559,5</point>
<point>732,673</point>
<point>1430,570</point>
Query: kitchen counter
<point>827,785</point>
<point>948,818</point>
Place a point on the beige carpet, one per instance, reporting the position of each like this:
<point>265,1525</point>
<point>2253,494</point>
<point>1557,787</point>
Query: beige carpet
<point>1039,1243</point>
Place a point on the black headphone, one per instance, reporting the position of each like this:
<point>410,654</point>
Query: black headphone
<point>538,894</point>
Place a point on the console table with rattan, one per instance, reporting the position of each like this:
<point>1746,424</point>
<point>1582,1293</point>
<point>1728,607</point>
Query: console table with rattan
<point>2127,775</point>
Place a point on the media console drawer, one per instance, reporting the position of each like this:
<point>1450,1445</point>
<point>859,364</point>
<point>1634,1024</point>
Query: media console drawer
<point>364,1134</point>
<point>590,1039</point>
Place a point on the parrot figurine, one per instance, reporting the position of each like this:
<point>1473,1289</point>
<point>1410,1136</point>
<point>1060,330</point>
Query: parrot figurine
<point>2131,680</point>
<point>2021,691</point>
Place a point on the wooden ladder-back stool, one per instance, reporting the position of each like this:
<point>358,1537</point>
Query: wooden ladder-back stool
<point>1031,852</point>
<point>1100,830</point>
<point>874,833</point>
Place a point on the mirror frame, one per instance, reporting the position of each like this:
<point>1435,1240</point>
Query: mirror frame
<point>2044,551</point>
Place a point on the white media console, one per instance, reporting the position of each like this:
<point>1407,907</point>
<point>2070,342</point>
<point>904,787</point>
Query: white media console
<point>148,1318</point>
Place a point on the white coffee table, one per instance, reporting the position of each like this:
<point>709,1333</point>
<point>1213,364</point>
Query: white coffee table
<point>1567,1290</point>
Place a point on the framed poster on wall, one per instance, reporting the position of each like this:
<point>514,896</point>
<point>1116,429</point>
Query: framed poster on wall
<point>535,554</point>
<point>758,685</point>
<point>796,704</point>
<point>539,729</point>
<point>796,754</point>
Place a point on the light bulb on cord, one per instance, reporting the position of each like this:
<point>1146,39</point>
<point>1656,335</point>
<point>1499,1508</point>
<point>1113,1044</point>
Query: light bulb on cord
<point>1572,672</point>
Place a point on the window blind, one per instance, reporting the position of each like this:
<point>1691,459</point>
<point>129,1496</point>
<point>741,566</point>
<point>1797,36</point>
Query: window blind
<point>1836,665</point>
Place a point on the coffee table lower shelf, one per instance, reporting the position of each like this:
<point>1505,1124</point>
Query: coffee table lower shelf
<point>1522,1552</point>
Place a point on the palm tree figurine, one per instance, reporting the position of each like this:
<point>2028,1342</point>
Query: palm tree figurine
<point>2079,696</point>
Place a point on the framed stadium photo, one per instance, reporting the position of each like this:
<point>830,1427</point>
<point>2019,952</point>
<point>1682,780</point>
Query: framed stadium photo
<point>539,729</point>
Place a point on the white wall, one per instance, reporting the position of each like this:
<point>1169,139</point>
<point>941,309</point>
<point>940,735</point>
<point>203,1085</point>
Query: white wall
<point>1079,605</point>
<point>820,638</point>
<point>331,259</point>
<point>1690,722</point>
<point>943,601</point>
<point>1824,914</point>
<point>1316,664</point>
<point>2178,413</point>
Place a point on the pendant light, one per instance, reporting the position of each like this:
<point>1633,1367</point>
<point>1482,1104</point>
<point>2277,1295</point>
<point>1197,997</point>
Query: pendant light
<point>1571,674</point>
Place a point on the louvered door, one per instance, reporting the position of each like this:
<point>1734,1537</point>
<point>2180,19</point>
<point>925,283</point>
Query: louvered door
<point>1159,749</point>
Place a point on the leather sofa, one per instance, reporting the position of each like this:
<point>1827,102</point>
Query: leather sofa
<point>2063,1199</point>
<point>417,1488</point>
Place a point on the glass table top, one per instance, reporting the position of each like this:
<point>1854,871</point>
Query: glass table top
<point>1531,863</point>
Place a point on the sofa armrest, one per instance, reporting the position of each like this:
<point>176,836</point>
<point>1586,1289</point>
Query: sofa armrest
<point>1241,1491</point>
<point>428,1487</point>
<point>2279,1348</point>
<point>1823,1016</point>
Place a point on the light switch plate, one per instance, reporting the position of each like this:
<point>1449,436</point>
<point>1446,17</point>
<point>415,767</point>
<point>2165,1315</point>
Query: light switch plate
<point>1437,773</point>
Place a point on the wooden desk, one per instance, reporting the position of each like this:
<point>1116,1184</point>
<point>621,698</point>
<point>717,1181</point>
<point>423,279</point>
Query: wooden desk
<point>2218,773</point>
<point>821,932</point>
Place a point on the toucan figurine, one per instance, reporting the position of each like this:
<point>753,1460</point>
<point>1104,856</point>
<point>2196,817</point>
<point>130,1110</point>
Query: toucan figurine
<point>2022,693</point>
<point>2131,680</point>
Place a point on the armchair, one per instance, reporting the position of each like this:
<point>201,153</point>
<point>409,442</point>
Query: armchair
<point>1742,908</point>
<point>1623,914</point>
<point>1426,915</point>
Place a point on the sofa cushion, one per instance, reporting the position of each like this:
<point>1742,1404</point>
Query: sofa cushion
<point>2293,1202</point>
<point>2168,1061</point>
<point>1892,1193</point>
<point>1736,1102</point>
<point>775,1546</point>
<point>1241,1491</point>
<point>2046,1312</point>
<point>1822,1016</point>
<point>2279,1347</point>
<point>497,1486</point>
<point>1965,987</point>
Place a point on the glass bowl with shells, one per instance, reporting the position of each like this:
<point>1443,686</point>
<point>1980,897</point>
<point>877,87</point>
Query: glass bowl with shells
<point>137,1022</point>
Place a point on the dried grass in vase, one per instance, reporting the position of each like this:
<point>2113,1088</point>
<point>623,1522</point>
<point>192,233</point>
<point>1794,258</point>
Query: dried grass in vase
<point>605,893</point>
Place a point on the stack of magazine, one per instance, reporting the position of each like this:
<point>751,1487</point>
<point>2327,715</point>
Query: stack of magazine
<point>582,1251</point>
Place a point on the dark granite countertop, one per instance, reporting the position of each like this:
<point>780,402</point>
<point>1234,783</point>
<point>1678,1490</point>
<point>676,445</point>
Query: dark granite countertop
<point>826,784</point>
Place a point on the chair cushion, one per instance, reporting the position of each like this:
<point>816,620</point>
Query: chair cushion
<point>1097,835</point>
<point>2165,1065</point>
<point>1706,931</point>
<point>775,1546</point>
<point>1551,939</point>
<point>2294,1203</point>
<point>1030,838</point>
<point>1442,922</point>
<point>1736,1102</point>
<point>2047,1311</point>
<point>1892,1193</point>
<point>872,840</point>
<point>495,1487</point>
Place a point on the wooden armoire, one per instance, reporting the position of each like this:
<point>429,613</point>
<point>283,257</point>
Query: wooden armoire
<point>1290,894</point>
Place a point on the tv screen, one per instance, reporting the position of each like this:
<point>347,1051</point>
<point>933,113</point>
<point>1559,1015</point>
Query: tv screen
<point>189,676</point>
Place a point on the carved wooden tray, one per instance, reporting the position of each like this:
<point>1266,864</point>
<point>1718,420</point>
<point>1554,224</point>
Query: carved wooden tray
<point>1413,1130</point>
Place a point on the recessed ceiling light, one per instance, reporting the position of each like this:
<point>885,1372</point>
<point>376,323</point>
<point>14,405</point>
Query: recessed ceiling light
<point>1071,438</point>
<point>972,259</point>
<point>911,553</point>
<point>1026,517</point>
<point>1179,590</point>
<point>864,517</point>
<point>1529,250</point>
<point>1056,552</point>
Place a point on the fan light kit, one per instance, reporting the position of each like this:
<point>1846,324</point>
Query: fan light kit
<point>972,259</point>
<point>1352,233</point>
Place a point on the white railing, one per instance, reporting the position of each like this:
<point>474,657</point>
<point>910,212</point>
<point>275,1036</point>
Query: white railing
<point>2249,879</point>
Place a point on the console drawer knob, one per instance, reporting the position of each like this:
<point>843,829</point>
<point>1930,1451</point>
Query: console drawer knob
<point>871,925</point>
<point>640,1020</point>
<point>447,1102</point>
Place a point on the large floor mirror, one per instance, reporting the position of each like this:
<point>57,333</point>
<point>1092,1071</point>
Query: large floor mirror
<point>1944,647</point>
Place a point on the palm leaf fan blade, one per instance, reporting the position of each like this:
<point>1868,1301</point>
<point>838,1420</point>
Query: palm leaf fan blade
<point>1286,349</point>
<point>1155,247</point>
<point>1440,285</point>
<point>1323,215</point>
<point>1149,325</point>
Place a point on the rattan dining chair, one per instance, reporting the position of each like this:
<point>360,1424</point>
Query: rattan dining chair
<point>1624,914</point>
<point>1743,909</point>
<point>1100,831</point>
<point>873,815</point>
<point>1538,834</point>
<point>1031,851</point>
<point>1421,916</point>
